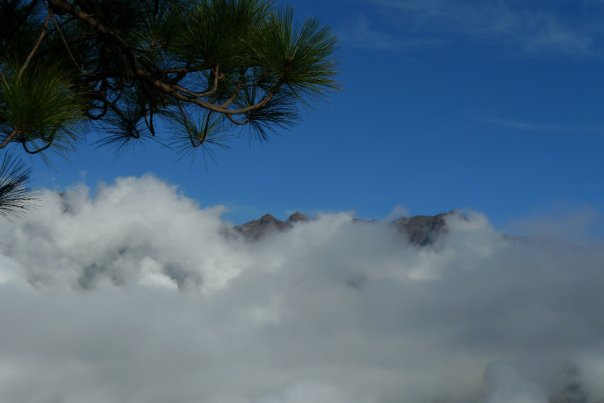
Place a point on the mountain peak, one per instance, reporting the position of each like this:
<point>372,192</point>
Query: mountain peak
<point>298,217</point>
<point>423,230</point>
<point>261,227</point>
<point>268,218</point>
<point>420,230</point>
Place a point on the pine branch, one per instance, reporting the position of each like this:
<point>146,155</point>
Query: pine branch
<point>10,138</point>
<point>14,196</point>
<point>143,73</point>
<point>36,47</point>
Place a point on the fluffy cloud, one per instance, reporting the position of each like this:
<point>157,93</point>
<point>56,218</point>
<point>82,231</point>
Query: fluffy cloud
<point>135,294</point>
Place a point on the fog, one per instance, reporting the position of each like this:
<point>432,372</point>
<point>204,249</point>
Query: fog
<point>134,293</point>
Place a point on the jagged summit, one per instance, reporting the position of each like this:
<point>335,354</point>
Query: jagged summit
<point>298,217</point>
<point>267,219</point>
<point>420,230</point>
<point>261,227</point>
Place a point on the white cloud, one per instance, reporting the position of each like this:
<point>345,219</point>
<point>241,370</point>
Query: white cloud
<point>540,127</point>
<point>563,222</point>
<point>532,28</point>
<point>398,211</point>
<point>329,312</point>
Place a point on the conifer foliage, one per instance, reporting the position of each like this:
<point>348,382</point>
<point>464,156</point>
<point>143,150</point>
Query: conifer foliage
<point>189,73</point>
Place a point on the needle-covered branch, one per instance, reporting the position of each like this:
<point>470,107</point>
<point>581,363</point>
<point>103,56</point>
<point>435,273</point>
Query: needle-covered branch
<point>121,65</point>
<point>15,197</point>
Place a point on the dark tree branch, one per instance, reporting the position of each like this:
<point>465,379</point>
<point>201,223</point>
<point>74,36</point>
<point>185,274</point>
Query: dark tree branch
<point>146,75</point>
<point>62,35</point>
<point>10,137</point>
<point>210,91</point>
<point>36,47</point>
<point>37,150</point>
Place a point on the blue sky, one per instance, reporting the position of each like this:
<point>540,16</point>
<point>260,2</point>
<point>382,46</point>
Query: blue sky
<point>495,106</point>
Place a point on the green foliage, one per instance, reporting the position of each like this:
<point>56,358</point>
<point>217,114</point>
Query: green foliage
<point>217,32</point>
<point>296,55</point>
<point>41,103</point>
<point>205,68</point>
<point>121,64</point>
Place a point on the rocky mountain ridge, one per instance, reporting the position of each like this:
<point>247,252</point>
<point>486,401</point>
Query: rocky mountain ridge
<point>420,230</point>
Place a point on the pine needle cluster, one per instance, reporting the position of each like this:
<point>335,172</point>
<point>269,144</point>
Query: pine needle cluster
<point>188,73</point>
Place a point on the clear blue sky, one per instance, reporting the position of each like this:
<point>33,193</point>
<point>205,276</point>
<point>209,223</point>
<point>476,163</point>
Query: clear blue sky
<point>493,105</point>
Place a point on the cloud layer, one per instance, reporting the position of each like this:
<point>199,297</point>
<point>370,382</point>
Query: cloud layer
<point>135,294</point>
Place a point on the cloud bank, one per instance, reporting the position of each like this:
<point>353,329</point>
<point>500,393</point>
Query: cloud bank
<point>136,294</point>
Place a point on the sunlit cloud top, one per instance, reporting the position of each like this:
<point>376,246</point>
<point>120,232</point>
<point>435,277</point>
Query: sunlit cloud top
<point>102,300</point>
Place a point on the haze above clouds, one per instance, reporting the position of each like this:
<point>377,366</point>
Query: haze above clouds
<point>136,294</point>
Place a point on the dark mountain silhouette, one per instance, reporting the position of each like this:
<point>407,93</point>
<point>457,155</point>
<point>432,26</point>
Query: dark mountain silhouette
<point>419,230</point>
<point>261,227</point>
<point>422,230</point>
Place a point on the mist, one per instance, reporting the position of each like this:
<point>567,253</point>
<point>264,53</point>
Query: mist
<point>134,293</point>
